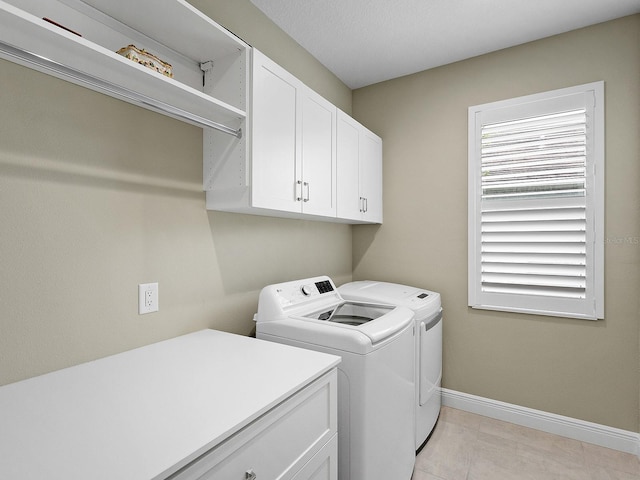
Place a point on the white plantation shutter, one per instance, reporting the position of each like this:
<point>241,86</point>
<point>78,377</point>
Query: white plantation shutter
<point>535,204</point>
<point>539,157</point>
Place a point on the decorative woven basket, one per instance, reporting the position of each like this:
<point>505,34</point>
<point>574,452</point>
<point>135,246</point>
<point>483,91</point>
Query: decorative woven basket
<point>147,59</point>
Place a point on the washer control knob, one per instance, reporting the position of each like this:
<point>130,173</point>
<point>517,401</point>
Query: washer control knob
<point>306,290</point>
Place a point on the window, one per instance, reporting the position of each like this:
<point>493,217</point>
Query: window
<point>536,203</point>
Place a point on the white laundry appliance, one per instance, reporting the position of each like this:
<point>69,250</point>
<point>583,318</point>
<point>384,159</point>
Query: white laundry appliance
<point>375,378</point>
<point>428,319</point>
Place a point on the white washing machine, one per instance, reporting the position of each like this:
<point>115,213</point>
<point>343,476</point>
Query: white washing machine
<point>375,378</point>
<point>428,317</point>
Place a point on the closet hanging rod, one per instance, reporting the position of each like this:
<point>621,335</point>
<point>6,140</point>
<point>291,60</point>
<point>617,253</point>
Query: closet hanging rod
<point>25,57</point>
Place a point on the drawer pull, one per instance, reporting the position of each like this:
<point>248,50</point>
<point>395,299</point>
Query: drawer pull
<point>250,474</point>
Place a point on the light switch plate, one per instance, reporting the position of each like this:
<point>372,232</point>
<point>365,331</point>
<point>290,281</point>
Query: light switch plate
<point>147,298</point>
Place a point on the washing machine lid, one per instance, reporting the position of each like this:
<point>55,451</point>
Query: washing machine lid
<point>377,322</point>
<point>425,303</point>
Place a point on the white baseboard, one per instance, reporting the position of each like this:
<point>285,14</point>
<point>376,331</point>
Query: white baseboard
<point>597,434</point>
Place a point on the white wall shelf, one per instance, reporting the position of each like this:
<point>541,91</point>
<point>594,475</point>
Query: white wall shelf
<point>170,29</point>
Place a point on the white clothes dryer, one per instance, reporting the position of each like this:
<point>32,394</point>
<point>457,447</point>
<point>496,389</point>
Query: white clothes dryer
<point>375,377</point>
<point>428,318</point>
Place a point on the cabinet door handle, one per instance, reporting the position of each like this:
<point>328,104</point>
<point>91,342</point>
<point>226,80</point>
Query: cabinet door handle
<point>366,204</point>
<point>306,198</point>
<point>361,204</point>
<point>250,474</point>
<point>298,190</point>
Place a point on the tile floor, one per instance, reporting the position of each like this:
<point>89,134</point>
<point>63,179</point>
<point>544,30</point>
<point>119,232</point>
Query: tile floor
<point>465,446</point>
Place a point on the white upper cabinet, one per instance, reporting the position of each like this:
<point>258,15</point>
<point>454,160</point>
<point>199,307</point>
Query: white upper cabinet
<point>84,52</point>
<point>306,159</point>
<point>293,147</point>
<point>371,176</point>
<point>348,161</point>
<point>276,173</point>
<point>318,145</point>
<point>290,170</point>
<point>359,172</point>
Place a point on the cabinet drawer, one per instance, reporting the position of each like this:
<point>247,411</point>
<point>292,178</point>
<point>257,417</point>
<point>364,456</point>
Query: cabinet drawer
<point>279,443</point>
<point>324,465</point>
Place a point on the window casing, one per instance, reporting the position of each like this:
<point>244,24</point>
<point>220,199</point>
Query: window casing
<point>536,203</point>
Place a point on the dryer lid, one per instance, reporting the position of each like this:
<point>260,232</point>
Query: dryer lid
<point>424,302</point>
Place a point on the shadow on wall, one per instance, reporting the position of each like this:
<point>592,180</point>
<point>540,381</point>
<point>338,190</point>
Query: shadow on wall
<point>363,237</point>
<point>254,251</point>
<point>107,178</point>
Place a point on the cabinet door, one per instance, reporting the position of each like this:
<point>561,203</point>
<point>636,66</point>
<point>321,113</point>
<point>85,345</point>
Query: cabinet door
<point>275,152</point>
<point>318,154</point>
<point>371,176</point>
<point>348,176</point>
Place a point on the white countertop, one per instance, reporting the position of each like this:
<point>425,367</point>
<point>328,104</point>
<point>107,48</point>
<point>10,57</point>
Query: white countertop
<point>145,413</point>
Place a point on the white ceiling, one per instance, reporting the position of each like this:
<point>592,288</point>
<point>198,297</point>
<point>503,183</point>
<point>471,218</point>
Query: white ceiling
<point>367,41</point>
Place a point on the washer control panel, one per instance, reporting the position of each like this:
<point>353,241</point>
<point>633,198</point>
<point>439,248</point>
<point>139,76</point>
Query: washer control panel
<point>304,291</point>
<point>316,288</point>
<point>324,286</point>
<point>312,289</point>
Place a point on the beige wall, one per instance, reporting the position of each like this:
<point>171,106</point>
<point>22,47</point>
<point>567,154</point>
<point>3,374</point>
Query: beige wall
<point>587,370</point>
<point>97,196</point>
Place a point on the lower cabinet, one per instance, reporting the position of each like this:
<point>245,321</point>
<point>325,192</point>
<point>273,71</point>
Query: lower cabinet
<point>296,440</point>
